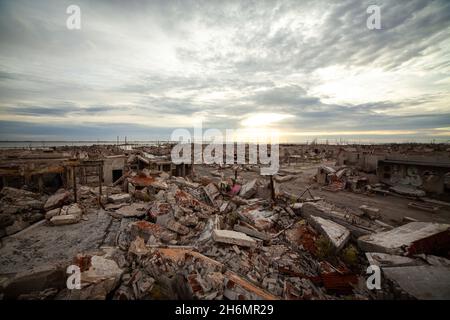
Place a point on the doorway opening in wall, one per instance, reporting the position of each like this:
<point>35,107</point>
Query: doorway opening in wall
<point>116,174</point>
<point>52,182</point>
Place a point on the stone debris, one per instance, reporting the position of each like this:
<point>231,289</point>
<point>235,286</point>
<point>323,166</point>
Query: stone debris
<point>389,260</point>
<point>99,276</point>
<point>248,189</point>
<point>119,198</point>
<point>411,238</point>
<point>129,211</point>
<point>57,200</point>
<point>66,215</point>
<point>337,234</point>
<point>421,282</point>
<point>65,219</point>
<point>233,237</point>
<point>223,232</point>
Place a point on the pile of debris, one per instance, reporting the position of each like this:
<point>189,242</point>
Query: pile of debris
<point>217,238</point>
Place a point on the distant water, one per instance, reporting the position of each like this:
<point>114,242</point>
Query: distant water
<point>49,144</point>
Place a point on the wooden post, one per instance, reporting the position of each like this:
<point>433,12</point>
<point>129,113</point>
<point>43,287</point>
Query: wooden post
<point>74,177</point>
<point>40,183</point>
<point>65,178</point>
<point>100,178</point>
<point>272,189</point>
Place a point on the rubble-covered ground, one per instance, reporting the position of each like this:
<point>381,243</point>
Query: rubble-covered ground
<point>212,236</point>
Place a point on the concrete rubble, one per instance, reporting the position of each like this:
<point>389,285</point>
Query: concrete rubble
<point>337,234</point>
<point>225,232</point>
<point>411,238</point>
<point>233,237</point>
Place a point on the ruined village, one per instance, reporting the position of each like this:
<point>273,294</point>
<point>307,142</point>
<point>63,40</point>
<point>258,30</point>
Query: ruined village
<point>138,226</point>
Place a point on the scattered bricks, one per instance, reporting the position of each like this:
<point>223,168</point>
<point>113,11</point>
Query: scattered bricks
<point>233,237</point>
<point>145,229</point>
<point>176,227</point>
<point>159,209</point>
<point>237,288</point>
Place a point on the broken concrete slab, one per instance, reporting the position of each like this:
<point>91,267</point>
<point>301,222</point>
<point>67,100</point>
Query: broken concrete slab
<point>337,234</point>
<point>34,280</point>
<point>119,198</point>
<point>233,237</point>
<point>98,281</point>
<point>414,237</point>
<point>129,211</point>
<point>421,282</point>
<point>258,217</point>
<point>355,224</point>
<point>57,200</point>
<point>211,191</point>
<point>390,260</point>
<point>434,260</point>
<point>248,189</point>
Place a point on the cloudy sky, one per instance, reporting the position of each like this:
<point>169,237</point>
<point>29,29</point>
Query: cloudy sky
<point>306,69</point>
